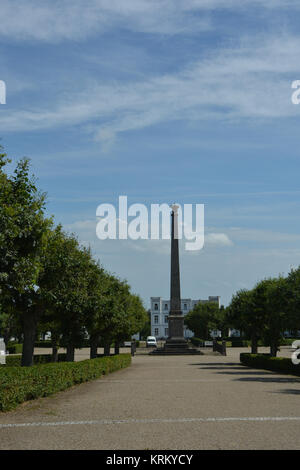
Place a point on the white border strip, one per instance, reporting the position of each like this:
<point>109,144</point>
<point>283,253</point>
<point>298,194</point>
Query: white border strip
<point>154,420</point>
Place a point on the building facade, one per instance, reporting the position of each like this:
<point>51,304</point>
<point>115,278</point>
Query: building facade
<point>160,311</point>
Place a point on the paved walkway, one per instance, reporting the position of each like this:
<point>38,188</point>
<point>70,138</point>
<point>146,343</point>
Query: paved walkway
<point>204,402</point>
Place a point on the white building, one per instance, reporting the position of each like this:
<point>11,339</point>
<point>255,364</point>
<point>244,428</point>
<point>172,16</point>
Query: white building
<point>160,310</point>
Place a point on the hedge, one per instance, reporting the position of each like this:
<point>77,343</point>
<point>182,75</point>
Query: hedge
<point>230,342</point>
<point>200,342</point>
<point>13,361</point>
<point>260,342</point>
<point>265,361</point>
<point>20,384</point>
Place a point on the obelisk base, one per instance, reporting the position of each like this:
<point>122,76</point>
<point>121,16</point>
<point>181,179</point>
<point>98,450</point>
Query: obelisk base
<point>176,344</point>
<point>176,328</point>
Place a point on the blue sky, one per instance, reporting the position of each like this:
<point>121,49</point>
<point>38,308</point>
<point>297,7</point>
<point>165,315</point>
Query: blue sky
<point>162,101</point>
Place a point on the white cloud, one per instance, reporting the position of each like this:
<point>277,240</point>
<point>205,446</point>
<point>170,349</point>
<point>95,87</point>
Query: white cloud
<point>59,20</point>
<point>251,81</point>
<point>215,239</point>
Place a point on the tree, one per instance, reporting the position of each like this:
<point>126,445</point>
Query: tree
<point>23,241</point>
<point>261,312</point>
<point>204,318</point>
<point>64,290</point>
<point>293,299</point>
<point>271,296</point>
<point>49,282</point>
<point>132,316</point>
<point>99,282</point>
<point>242,315</point>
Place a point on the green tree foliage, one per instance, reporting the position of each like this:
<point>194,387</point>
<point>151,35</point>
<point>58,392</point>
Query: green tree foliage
<point>23,241</point>
<point>64,290</point>
<point>132,316</point>
<point>49,282</point>
<point>119,316</point>
<point>267,310</point>
<point>244,316</point>
<point>293,299</point>
<point>204,318</point>
<point>270,301</point>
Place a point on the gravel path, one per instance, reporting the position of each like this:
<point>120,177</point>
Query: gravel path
<point>200,402</point>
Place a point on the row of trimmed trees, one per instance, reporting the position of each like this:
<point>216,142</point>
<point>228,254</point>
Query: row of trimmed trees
<point>263,313</point>
<point>268,310</point>
<point>49,282</point>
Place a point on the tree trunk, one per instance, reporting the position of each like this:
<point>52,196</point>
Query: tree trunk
<point>273,349</point>
<point>54,353</point>
<point>6,338</point>
<point>117,348</point>
<point>70,353</point>
<point>54,344</point>
<point>254,344</point>
<point>107,349</point>
<point>29,327</point>
<point>94,340</point>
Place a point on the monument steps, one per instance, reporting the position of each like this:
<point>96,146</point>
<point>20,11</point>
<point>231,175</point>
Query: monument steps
<point>175,351</point>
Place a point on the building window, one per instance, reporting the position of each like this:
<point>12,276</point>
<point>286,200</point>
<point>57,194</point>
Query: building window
<point>155,331</point>
<point>156,319</point>
<point>166,306</point>
<point>185,307</point>
<point>155,306</point>
<point>166,318</point>
<point>166,331</point>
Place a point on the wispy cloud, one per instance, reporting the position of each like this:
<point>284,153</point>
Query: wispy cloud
<point>246,82</point>
<point>264,236</point>
<point>60,20</point>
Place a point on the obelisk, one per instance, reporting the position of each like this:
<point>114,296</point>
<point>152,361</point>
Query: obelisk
<point>175,320</point>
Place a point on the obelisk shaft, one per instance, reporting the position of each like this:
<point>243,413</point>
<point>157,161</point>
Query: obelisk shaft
<point>175,320</point>
<point>176,342</point>
<point>175,271</point>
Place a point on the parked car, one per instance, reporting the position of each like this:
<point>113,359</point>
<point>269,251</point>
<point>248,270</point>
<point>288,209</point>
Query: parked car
<point>151,342</point>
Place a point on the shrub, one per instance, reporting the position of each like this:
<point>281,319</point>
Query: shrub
<point>14,348</point>
<point>19,384</point>
<point>43,344</point>
<point>238,343</point>
<point>197,341</point>
<point>287,341</point>
<point>265,361</point>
